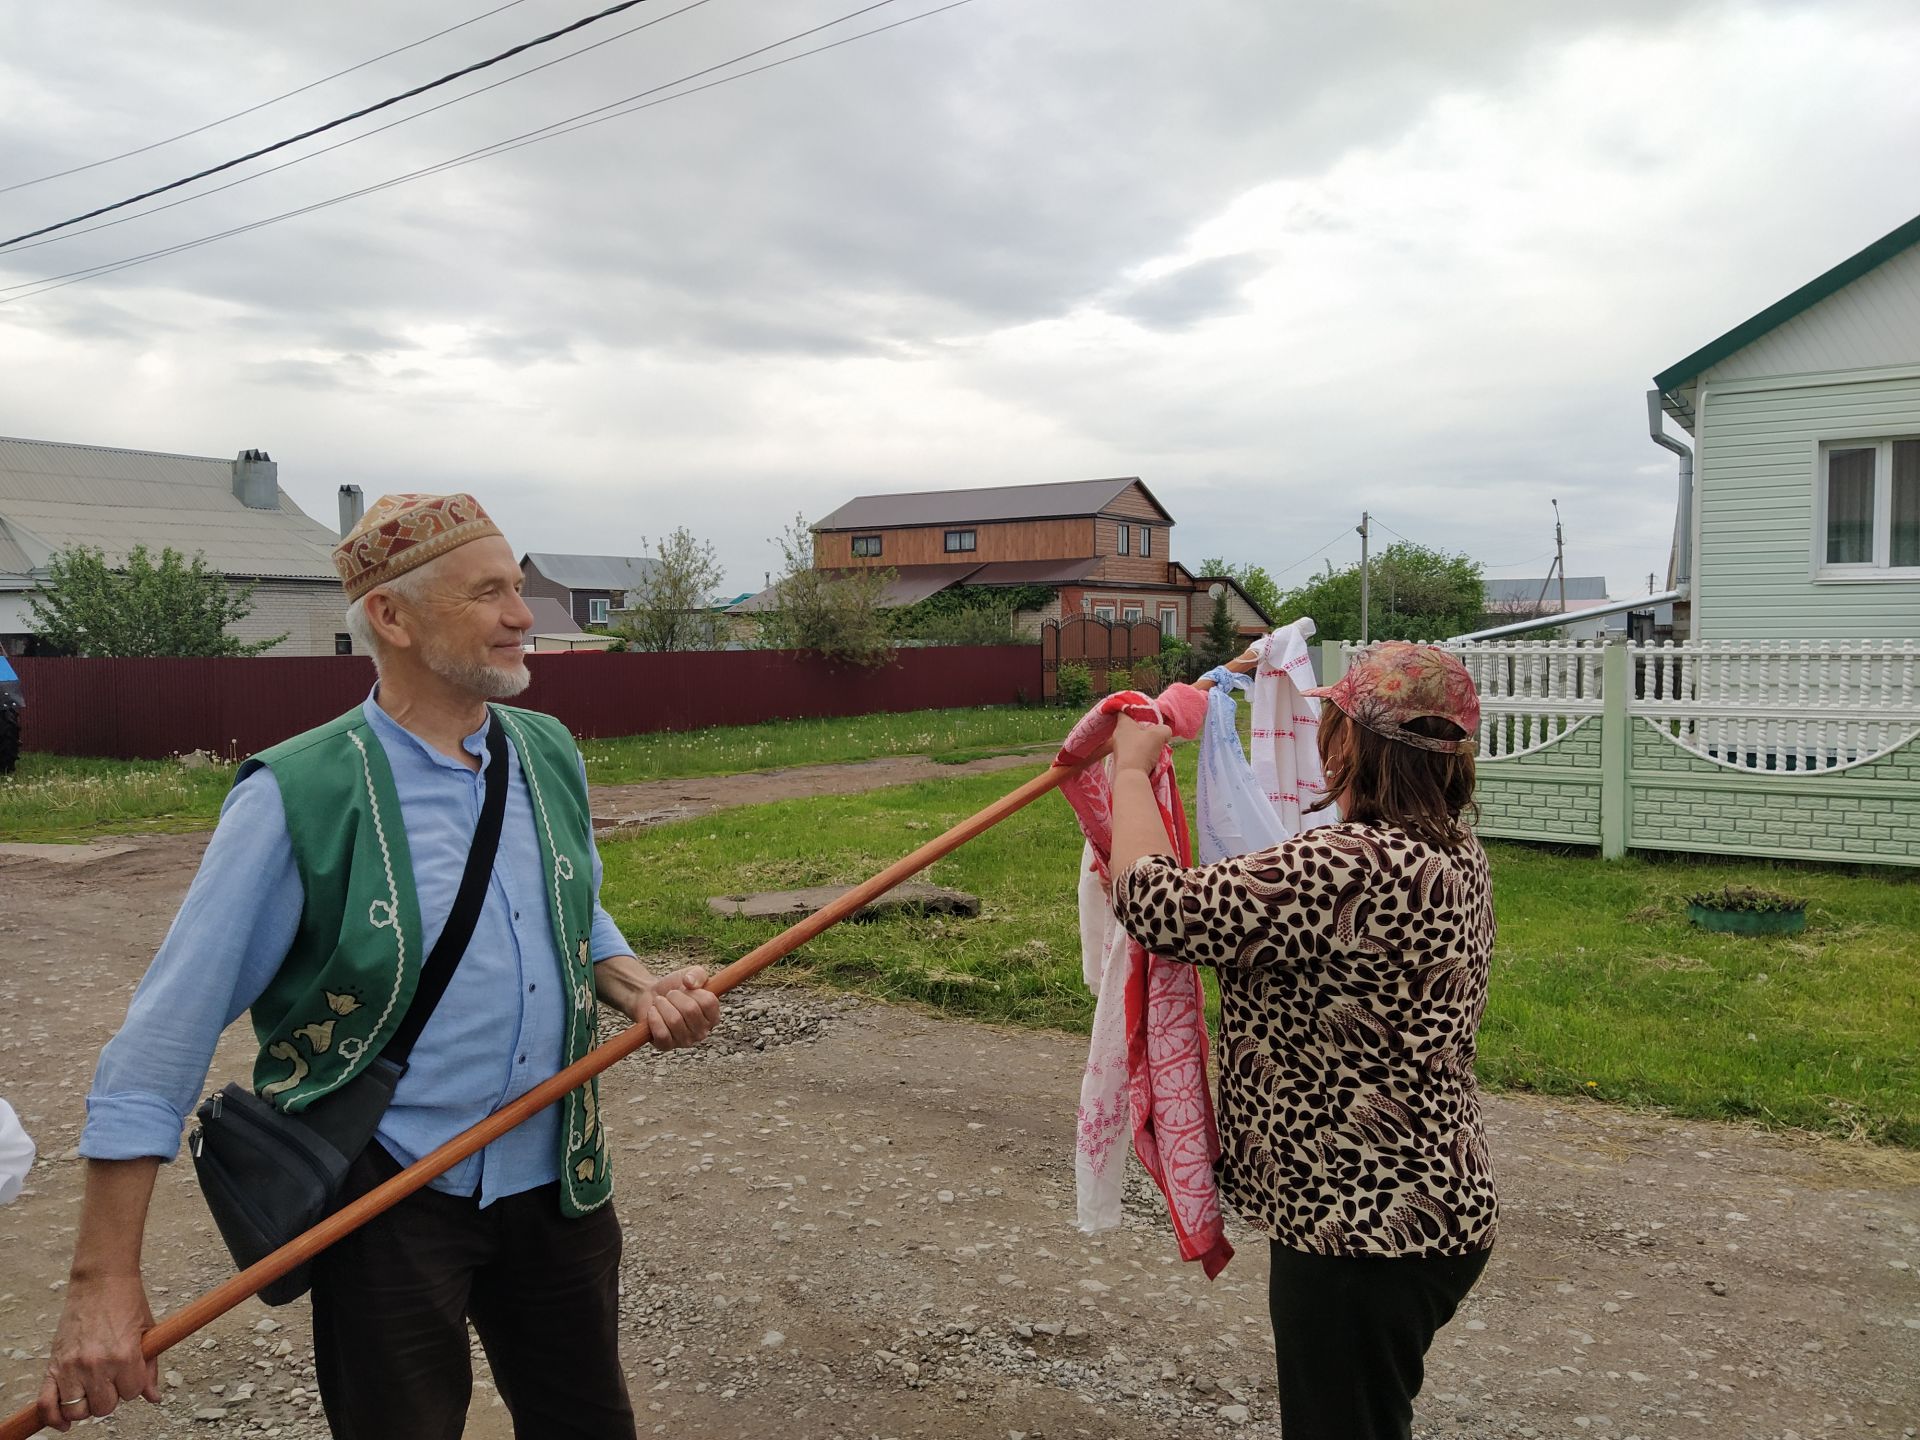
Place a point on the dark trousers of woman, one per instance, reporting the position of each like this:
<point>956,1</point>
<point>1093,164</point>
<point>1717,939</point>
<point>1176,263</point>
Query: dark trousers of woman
<point>391,1304</point>
<point>1351,1333</point>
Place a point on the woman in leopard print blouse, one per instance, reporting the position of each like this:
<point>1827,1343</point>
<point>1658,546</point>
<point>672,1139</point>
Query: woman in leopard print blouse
<point>1353,967</point>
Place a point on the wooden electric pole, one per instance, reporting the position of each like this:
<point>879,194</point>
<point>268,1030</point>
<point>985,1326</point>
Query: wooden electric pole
<point>1366,579</point>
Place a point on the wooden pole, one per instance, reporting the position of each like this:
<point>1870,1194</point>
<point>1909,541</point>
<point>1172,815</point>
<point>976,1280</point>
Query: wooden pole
<point>222,1298</point>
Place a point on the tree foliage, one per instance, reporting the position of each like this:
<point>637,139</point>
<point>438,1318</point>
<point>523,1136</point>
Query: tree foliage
<point>1417,594</point>
<point>1255,581</point>
<point>672,609</point>
<point>970,614</point>
<point>140,608</point>
<point>1223,634</point>
<point>835,616</point>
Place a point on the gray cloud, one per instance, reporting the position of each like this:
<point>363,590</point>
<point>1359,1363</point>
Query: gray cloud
<point>770,295</point>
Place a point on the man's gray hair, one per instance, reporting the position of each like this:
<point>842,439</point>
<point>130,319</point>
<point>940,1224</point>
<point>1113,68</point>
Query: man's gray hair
<point>409,586</point>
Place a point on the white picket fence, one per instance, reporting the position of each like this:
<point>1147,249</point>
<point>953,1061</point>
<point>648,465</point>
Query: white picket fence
<point>1532,692</point>
<point>1782,706</point>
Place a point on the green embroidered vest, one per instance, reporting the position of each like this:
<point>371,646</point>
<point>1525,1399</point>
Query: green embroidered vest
<point>356,958</point>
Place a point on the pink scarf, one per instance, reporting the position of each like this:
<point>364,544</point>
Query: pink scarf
<point>1147,1064</point>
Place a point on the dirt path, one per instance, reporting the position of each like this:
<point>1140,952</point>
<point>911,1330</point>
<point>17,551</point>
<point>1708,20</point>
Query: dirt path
<point>854,1220</point>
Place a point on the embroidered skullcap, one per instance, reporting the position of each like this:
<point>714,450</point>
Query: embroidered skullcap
<point>403,532</point>
<point>1396,682</point>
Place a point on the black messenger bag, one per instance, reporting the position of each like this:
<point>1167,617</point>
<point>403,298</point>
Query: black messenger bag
<point>268,1176</point>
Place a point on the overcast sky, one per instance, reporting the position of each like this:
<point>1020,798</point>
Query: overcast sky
<point>1284,261</point>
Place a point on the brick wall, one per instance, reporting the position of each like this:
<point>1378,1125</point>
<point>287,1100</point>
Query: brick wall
<point>308,613</point>
<point>1550,794</point>
<point>1679,801</point>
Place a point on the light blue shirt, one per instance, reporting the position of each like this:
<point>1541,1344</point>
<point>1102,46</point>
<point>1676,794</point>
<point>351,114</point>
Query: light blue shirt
<point>497,1032</point>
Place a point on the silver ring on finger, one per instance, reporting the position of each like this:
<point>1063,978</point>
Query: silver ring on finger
<point>81,1400</point>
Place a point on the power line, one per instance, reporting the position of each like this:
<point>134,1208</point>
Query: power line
<point>377,130</point>
<point>1314,556</point>
<point>301,90</point>
<point>531,137</point>
<point>364,110</point>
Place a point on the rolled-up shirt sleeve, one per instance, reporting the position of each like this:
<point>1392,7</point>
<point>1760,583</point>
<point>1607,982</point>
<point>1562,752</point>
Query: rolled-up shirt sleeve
<point>232,934</point>
<point>1273,907</point>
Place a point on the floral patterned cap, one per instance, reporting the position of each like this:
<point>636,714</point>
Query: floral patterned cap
<point>402,532</point>
<point>1395,682</point>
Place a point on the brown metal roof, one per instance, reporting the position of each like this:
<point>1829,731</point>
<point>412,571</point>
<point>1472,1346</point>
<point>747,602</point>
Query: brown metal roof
<point>1034,572</point>
<point>910,584</point>
<point>1066,498</point>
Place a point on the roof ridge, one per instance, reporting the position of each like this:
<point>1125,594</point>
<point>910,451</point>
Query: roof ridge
<point>1017,485</point>
<point>1834,278</point>
<point>113,449</point>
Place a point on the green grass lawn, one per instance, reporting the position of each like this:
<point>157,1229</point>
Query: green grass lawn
<point>1600,986</point>
<point>56,798</point>
<point>949,735</point>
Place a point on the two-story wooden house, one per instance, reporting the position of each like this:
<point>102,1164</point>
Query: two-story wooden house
<point>1104,547</point>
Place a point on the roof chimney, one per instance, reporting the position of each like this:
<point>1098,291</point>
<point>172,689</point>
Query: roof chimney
<point>256,480</point>
<point>352,505</point>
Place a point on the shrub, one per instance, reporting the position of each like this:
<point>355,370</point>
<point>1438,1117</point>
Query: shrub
<point>1764,902</point>
<point>1074,685</point>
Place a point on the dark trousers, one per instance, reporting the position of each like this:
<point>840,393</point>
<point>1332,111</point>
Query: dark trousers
<point>391,1304</point>
<point>1351,1333</point>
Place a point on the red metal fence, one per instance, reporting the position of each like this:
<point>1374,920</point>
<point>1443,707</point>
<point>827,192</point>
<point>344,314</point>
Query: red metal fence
<point>149,709</point>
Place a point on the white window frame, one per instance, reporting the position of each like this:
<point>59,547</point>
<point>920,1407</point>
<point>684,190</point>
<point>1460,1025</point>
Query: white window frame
<point>954,538</point>
<point>874,544</point>
<point>1133,614</point>
<point>597,611</point>
<point>1123,539</point>
<point>1881,568</point>
<point>1103,612</point>
<point>1146,541</point>
<point>1170,620</point>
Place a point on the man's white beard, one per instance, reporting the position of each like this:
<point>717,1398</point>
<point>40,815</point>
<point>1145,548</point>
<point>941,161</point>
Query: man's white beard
<point>476,677</point>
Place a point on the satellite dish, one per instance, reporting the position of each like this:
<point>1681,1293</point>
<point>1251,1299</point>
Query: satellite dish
<point>1216,590</point>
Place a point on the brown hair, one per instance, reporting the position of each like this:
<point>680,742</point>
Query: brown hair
<point>1427,793</point>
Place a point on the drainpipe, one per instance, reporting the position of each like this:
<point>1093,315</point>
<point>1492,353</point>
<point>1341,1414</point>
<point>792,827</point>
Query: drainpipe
<point>1683,532</point>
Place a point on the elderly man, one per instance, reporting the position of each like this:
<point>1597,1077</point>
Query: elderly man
<point>334,867</point>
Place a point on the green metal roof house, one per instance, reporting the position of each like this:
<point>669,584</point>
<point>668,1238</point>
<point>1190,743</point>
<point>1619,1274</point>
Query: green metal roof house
<point>1800,501</point>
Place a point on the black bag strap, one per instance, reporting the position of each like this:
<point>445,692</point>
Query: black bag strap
<point>436,974</point>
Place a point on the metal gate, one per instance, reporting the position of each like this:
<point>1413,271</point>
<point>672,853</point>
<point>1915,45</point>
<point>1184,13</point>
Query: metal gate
<point>1110,649</point>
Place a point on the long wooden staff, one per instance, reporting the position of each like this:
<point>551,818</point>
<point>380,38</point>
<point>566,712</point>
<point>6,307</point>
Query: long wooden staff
<point>222,1298</point>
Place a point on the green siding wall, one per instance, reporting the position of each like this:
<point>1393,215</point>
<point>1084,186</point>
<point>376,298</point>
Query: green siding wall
<point>1752,580</point>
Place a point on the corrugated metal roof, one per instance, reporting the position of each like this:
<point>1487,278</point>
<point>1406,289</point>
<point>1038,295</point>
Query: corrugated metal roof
<point>910,584</point>
<point>1529,592</point>
<point>54,496</point>
<point>550,617</point>
<point>592,572</point>
<point>1034,572</point>
<point>997,502</point>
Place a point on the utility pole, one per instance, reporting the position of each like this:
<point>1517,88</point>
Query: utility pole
<point>1366,579</point>
<point>1560,556</point>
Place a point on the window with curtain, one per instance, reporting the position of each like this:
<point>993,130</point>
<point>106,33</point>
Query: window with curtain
<point>1125,531</point>
<point>1146,540</point>
<point>1850,507</point>
<point>1169,619</point>
<point>959,541</point>
<point>1905,522</point>
<point>1870,501</point>
<point>866,547</point>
